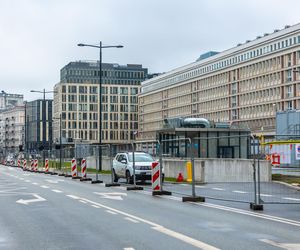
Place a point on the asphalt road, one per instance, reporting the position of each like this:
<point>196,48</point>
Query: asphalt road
<point>49,212</point>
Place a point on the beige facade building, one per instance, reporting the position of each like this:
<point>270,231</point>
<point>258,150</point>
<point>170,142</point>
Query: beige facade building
<point>76,98</point>
<point>12,133</point>
<point>245,85</point>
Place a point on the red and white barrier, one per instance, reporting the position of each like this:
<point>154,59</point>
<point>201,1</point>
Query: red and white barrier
<point>83,168</point>
<point>24,164</point>
<point>12,162</point>
<point>19,163</point>
<point>5,162</point>
<point>73,168</point>
<point>36,162</point>
<point>32,164</point>
<point>46,165</point>
<point>156,185</point>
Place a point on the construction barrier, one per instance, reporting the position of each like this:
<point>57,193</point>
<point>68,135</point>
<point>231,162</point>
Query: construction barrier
<point>36,165</point>
<point>19,163</point>
<point>24,164</point>
<point>275,159</point>
<point>46,166</point>
<point>73,168</point>
<point>83,168</point>
<point>156,185</point>
<point>12,163</point>
<point>31,165</point>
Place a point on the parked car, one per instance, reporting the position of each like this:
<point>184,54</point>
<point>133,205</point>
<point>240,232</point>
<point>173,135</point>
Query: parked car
<point>123,166</point>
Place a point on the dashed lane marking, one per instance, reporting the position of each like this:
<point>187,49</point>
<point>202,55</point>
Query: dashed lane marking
<point>43,186</point>
<point>219,189</point>
<point>82,201</point>
<point>34,183</point>
<point>72,196</point>
<point>110,212</point>
<point>131,220</point>
<point>239,192</point>
<point>56,191</point>
<point>291,199</point>
<point>95,206</point>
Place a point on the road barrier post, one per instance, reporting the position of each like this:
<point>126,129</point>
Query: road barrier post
<point>83,171</point>
<point>113,183</point>
<point>19,163</point>
<point>35,165</point>
<point>97,181</point>
<point>31,165</point>
<point>256,204</point>
<point>193,198</point>
<point>134,187</point>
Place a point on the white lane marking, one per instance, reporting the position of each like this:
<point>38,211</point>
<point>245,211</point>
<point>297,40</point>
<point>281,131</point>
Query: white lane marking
<point>112,196</point>
<point>288,246</point>
<point>244,212</point>
<point>26,202</point>
<point>131,220</point>
<point>129,248</point>
<point>82,201</point>
<point>34,183</point>
<point>184,184</point>
<point>110,212</point>
<point>291,199</point>
<point>95,206</point>
<point>239,192</point>
<point>27,181</point>
<point>122,188</point>
<point>200,186</point>
<point>26,174</point>
<point>265,195</point>
<point>187,239</point>
<point>158,227</point>
<point>220,189</point>
<point>43,186</point>
<point>11,189</point>
<point>53,181</point>
<point>56,191</point>
<point>73,196</point>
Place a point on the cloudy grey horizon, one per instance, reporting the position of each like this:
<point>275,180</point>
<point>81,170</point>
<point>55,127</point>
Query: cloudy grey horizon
<point>38,38</point>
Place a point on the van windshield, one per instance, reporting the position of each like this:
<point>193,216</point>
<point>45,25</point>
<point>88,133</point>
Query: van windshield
<point>141,157</point>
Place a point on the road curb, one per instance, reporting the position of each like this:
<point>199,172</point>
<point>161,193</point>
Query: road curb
<point>288,185</point>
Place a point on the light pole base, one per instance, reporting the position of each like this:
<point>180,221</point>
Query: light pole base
<point>96,182</point>
<point>162,192</point>
<point>193,199</point>
<point>85,179</point>
<point>112,184</point>
<point>134,188</point>
<point>256,207</point>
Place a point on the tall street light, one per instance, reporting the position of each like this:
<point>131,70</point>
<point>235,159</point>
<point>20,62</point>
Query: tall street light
<point>100,47</point>
<point>43,117</point>
<point>60,134</point>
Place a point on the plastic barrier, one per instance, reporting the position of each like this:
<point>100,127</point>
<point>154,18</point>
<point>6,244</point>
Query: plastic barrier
<point>46,166</point>
<point>24,164</point>
<point>156,185</point>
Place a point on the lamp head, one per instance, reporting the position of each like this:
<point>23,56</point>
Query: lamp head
<point>120,46</point>
<point>80,44</point>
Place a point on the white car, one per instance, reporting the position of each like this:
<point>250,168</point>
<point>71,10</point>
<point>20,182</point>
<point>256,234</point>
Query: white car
<point>123,166</point>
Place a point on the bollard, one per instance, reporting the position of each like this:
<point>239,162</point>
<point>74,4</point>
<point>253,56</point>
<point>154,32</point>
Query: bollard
<point>24,165</point>
<point>83,171</point>
<point>189,171</point>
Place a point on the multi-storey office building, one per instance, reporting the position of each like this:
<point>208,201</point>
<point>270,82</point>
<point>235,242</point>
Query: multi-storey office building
<point>76,98</point>
<point>38,125</point>
<point>12,130</point>
<point>245,85</point>
<point>10,100</point>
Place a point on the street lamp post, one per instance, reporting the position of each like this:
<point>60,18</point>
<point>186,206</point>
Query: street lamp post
<point>60,141</point>
<point>100,47</point>
<point>43,117</point>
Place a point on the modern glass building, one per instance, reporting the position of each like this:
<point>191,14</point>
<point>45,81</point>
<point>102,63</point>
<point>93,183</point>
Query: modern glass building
<point>38,125</point>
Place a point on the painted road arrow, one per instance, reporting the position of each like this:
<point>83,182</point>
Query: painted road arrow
<point>26,202</point>
<point>112,196</point>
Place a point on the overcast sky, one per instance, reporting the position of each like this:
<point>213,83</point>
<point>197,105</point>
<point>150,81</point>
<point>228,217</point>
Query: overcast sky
<point>39,37</point>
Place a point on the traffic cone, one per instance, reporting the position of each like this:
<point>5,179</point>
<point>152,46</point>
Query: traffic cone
<point>179,178</point>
